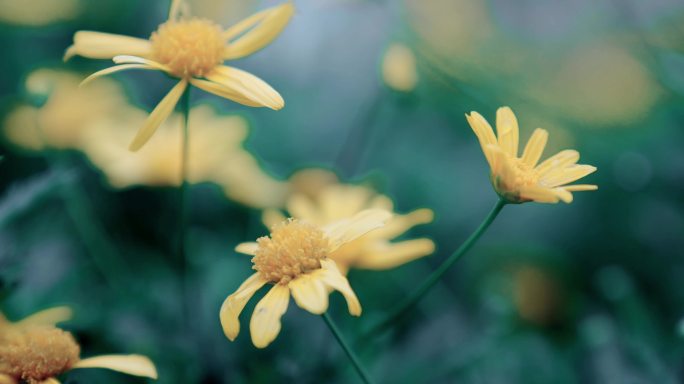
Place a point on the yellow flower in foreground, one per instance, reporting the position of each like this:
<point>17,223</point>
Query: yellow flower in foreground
<point>295,258</point>
<point>520,179</point>
<point>374,250</point>
<point>66,113</point>
<point>34,351</point>
<point>192,50</point>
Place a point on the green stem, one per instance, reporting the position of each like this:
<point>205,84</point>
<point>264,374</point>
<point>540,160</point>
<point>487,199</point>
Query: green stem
<point>412,299</point>
<point>183,199</point>
<point>352,356</point>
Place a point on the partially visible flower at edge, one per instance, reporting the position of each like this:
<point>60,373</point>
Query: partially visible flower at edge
<point>294,259</point>
<point>192,50</point>
<point>375,250</point>
<point>520,179</point>
<point>34,351</point>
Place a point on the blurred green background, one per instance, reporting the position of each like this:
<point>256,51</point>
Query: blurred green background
<point>589,292</point>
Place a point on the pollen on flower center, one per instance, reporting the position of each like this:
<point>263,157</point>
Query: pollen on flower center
<point>188,47</point>
<point>35,354</point>
<point>293,248</point>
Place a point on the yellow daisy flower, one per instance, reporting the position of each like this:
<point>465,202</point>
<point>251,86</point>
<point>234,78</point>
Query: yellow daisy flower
<point>193,50</point>
<point>521,179</point>
<point>295,259</point>
<point>374,250</point>
<point>34,351</point>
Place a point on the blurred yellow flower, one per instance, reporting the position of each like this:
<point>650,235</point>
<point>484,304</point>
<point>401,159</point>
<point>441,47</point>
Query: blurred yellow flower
<point>36,13</point>
<point>520,179</point>
<point>192,50</point>
<point>374,250</point>
<point>399,68</point>
<point>67,111</point>
<point>216,145</point>
<point>34,351</point>
<point>295,258</point>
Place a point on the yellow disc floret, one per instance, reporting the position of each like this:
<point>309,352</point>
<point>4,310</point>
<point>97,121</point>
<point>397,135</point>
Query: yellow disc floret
<point>188,47</point>
<point>34,354</point>
<point>293,248</point>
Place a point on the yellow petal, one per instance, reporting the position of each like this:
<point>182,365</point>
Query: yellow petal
<point>174,9</point>
<point>235,303</point>
<point>535,147</point>
<point>99,45</point>
<point>564,195</point>
<point>249,248</point>
<point>127,59</point>
<point>135,365</point>
<point>344,231</point>
<point>221,91</point>
<point>158,115</point>
<point>114,69</point>
<point>566,175</point>
<point>310,294</point>
<point>266,26</point>
<point>265,323</point>
<point>50,316</point>
<point>50,380</point>
<point>247,86</point>
<point>272,217</point>
<point>399,224</point>
<point>301,207</point>
<point>539,194</point>
<point>502,169</point>
<point>507,130</point>
<point>391,255</point>
<point>483,131</point>
<point>580,187</point>
<point>6,379</point>
<point>332,277</point>
<point>558,161</point>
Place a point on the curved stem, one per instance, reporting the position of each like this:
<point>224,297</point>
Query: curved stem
<point>352,356</point>
<point>418,294</point>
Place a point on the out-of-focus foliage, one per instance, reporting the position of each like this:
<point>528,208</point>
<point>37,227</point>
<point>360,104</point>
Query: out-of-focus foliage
<point>586,292</point>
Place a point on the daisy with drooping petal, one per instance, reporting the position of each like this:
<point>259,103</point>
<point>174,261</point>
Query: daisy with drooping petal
<point>375,250</point>
<point>295,260</point>
<point>192,50</point>
<point>34,351</point>
<point>521,179</point>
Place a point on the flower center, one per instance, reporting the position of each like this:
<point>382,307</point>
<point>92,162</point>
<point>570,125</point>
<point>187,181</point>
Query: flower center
<point>188,47</point>
<point>34,354</point>
<point>524,174</point>
<point>293,248</point>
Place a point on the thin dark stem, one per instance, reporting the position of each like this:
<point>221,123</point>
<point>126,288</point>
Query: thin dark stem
<point>183,200</point>
<point>413,298</point>
<point>343,343</point>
